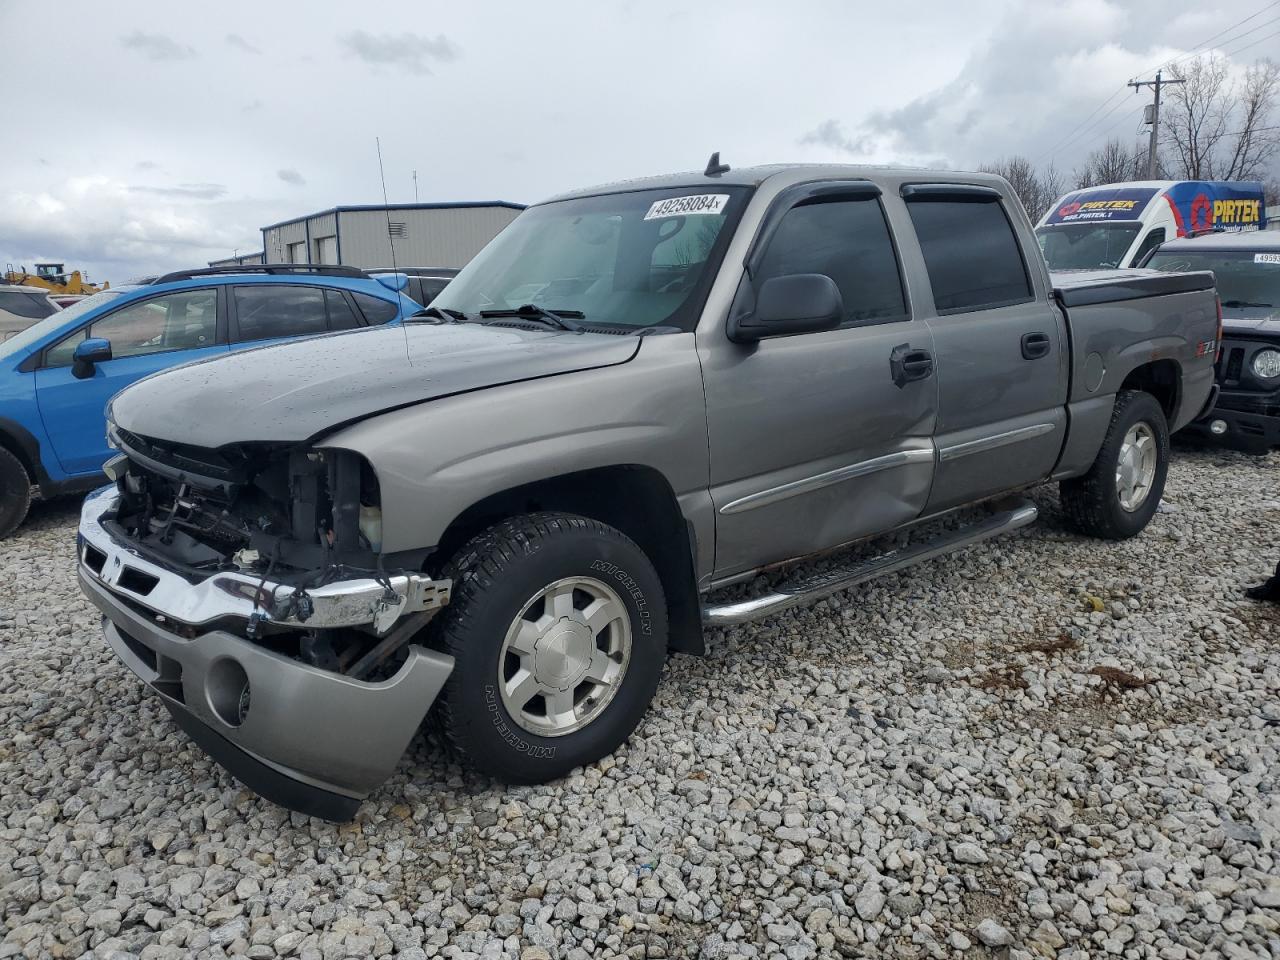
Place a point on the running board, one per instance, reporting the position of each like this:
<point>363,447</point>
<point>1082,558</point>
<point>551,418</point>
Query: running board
<point>822,585</point>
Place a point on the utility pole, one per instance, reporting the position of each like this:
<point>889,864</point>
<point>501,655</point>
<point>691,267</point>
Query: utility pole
<point>1155,86</point>
<point>415,186</point>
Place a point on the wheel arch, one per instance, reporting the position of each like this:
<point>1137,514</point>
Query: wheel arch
<point>634,499</point>
<point>15,438</point>
<point>1163,380</point>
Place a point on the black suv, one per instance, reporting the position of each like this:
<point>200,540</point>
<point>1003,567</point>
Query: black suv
<point>425,283</point>
<point>1247,268</point>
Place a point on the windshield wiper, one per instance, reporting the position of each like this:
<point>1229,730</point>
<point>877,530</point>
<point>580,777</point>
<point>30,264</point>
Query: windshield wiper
<point>562,319</point>
<point>1237,304</point>
<point>446,314</point>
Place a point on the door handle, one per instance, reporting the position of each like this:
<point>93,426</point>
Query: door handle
<point>907,364</point>
<point>1035,345</point>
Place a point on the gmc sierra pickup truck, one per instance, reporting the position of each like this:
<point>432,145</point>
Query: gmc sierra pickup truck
<point>511,510</point>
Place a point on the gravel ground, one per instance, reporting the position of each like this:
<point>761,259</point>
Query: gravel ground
<point>923,767</point>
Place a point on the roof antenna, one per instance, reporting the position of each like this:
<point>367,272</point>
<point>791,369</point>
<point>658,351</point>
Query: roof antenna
<point>715,167</point>
<point>386,209</point>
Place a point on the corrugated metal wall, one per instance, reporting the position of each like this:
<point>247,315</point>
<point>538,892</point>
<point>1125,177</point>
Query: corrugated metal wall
<point>276,240</point>
<point>321,228</point>
<point>447,237</point>
<point>247,259</point>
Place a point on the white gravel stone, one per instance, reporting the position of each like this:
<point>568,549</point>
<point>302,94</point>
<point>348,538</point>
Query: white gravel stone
<point>993,934</point>
<point>879,774</point>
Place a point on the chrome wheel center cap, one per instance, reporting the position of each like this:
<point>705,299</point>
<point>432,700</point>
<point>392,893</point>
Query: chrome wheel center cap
<point>562,654</point>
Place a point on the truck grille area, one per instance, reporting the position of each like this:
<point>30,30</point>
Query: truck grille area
<point>254,508</point>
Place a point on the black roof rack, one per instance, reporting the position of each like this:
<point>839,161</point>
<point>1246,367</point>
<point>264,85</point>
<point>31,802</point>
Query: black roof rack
<point>325,270</point>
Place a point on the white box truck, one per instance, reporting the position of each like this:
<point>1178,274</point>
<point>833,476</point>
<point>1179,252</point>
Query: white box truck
<point>1117,224</point>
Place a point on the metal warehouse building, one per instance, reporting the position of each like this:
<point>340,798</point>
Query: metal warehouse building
<point>425,234</point>
<point>240,260</point>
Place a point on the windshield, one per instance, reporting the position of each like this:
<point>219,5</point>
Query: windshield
<point>1245,278</point>
<point>638,259</point>
<point>1086,246</point>
<point>58,321</point>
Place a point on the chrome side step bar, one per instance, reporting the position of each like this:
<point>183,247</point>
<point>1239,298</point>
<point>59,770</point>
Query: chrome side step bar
<point>823,585</point>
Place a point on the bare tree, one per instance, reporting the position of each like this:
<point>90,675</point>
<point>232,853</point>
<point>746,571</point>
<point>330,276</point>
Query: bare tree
<point>1215,126</point>
<point>1036,190</point>
<point>1113,162</point>
<point>1053,184</point>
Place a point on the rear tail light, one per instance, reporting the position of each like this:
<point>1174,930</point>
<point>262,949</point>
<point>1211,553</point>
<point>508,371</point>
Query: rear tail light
<point>1218,355</point>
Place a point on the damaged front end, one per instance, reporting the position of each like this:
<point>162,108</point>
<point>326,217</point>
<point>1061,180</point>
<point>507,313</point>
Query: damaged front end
<point>301,527</point>
<point>246,586</point>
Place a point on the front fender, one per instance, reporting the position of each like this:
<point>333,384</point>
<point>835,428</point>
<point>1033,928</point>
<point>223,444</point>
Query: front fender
<point>436,459</point>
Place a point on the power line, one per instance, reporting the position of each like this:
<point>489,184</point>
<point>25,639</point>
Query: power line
<point>1131,116</point>
<point>1077,130</point>
<point>1068,137</point>
<point>1221,48</point>
<point>1238,50</point>
<point>1069,141</point>
<point>1205,43</point>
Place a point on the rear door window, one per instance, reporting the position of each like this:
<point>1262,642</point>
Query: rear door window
<point>341,315</point>
<point>971,252</point>
<point>27,305</point>
<point>266,311</point>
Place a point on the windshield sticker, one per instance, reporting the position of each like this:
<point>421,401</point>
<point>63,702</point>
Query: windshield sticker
<point>702,203</point>
<point>1266,258</point>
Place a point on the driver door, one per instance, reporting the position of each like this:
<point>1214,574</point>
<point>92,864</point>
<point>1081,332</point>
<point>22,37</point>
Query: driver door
<point>146,336</point>
<point>818,439</point>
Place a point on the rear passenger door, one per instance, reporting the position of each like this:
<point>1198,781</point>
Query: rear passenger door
<point>1001,348</point>
<point>266,312</point>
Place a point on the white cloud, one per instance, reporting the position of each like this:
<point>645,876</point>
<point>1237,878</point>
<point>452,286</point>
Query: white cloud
<point>189,191</point>
<point>408,51</point>
<point>157,46</point>
<point>1049,84</point>
<point>107,227</point>
<point>241,44</point>
<point>526,100</point>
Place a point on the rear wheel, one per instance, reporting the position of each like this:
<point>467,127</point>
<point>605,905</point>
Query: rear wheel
<point>558,630</point>
<point>1118,496</point>
<point>15,493</point>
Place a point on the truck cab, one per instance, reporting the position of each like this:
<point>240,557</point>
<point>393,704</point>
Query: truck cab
<point>1116,225</point>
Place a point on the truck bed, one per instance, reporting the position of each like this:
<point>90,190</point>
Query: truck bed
<point>1075,288</point>
<point>1119,320</point>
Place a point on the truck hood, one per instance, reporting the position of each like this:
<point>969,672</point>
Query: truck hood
<point>1260,320</point>
<point>293,391</point>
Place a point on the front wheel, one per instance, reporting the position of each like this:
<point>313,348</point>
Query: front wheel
<point>15,493</point>
<point>558,630</point>
<point>1118,496</point>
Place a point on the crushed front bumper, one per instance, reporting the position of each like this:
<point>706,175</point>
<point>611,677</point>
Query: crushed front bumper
<point>308,739</point>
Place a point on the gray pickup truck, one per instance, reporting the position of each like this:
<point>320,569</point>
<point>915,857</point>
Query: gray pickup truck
<point>513,509</point>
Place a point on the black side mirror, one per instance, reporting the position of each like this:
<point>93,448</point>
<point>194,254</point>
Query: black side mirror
<point>89,352</point>
<point>798,303</point>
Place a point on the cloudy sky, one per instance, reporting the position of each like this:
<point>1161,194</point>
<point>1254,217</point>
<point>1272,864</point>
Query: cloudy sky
<point>150,135</point>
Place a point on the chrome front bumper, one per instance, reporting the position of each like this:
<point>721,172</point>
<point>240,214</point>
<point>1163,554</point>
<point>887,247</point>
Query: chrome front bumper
<point>171,594</point>
<point>306,738</point>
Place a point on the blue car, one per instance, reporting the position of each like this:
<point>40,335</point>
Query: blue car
<point>57,376</point>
